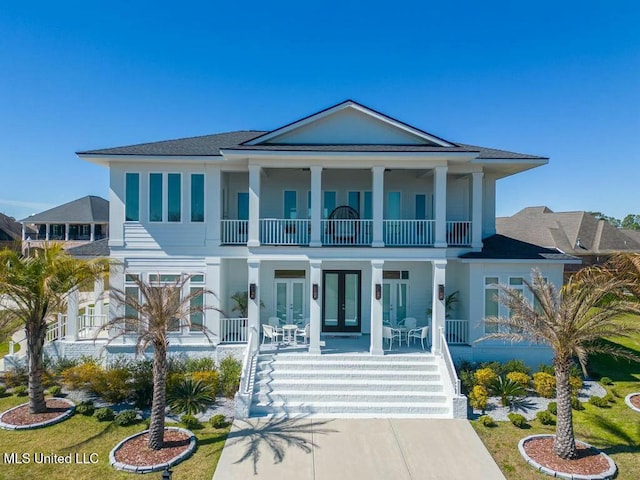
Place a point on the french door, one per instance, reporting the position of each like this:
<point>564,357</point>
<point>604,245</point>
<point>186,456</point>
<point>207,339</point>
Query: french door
<point>341,306</point>
<point>395,294</point>
<point>290,300</point>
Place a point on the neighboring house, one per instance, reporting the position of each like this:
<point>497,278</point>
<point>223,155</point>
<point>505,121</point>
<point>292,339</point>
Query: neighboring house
<point>579,234</point>
<point>10,232</point>
<point>75,223</point>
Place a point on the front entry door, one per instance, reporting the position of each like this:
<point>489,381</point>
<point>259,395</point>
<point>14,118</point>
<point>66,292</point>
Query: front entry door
<point>290,304</point>
<point>394,301</point>
<point>341,302</point>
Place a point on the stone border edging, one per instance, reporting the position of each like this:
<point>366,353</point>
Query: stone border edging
<point>627,400</point>
<point>159,466</point>
<point>63,416</point>
<point>569,476</point>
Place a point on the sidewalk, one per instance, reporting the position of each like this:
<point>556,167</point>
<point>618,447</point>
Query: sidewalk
<point>354,449</point>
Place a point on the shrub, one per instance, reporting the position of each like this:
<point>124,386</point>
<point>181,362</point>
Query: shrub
<point>55,391</point>
<point>546,369</point>
<point>81,376</point>
<point>104,414</point>
<point>599,402</point>
<point>507,390</point>
<point>142,383</point>
<point>18,375</point>
<point>520,378</point>
<point>112,384</point>
<point>230,371</point>
<point>218,421</point>
<point>606,381</point>
<point>495,366</point>
<point>190,421</point>
<point>518,420</point>
<point>485,377</point>
<point>85,408</point>
<point>64,363</point>
<point>576,385</point>
<point>545,418</point>
<point>478,397</point>
<point>614,392</point>
<point>552,408</point>
<point>126,417</point>
<point>468,380</point>
<point>515,366</point>
<point>609,397</point>
<point>576,404</point>
<point>190,397</point>
<point>487,421</point>
<point>20,390</point>
<point>3,391</point>
<point>545,384</point>
<point>211,378</point>
<point>199,364</point>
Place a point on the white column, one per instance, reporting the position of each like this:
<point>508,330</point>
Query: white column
<point>23,230</point>
<point>254,206</point>
<point>66,231</point>
<point>212,301</point>
<point>315,306</point>
<point>116,309</point>
<point>476,210</point>
<point>438,306</point>
<point>316,206</point>
<point>214,206</point>
<point>47,229</point>
<point>378,206</point>
<point>376,309</point>
<point>98,301</point>
<point>440,189</point>
<point>72,315</point>
<point>92,235</point>
<point>253,305</point>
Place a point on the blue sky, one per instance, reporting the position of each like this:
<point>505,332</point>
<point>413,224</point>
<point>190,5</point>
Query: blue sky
<point>560,79</point>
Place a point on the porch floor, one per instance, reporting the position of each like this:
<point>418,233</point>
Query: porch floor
<point>356,345</point>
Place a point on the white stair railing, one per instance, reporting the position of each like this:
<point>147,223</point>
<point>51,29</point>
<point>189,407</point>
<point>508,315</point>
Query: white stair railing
<point>245,392</point>
<point>57,330</point>
<point>445,355</point>
<point>234,330</point>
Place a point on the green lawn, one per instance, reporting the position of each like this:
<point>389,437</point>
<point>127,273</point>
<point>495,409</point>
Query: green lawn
<point>614,430</point>
<point>85,435</point>
<point>4,348</point>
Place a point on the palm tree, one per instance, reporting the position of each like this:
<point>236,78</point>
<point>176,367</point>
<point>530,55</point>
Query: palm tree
<point>571,321</point>
<point>157,309</point>
<point>33,289</point>
<point>627,267</point>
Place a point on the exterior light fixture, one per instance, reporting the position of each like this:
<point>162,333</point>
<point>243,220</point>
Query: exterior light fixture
<point>167,474</point>
<point>252,291</point>
<point>378,291</point>
<point>441,292</point>
<point>314,291</point>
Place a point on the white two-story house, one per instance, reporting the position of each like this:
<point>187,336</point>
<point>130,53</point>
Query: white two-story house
<point>346,219</point>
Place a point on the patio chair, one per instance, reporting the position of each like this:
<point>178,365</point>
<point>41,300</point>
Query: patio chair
<point>391,334</point>
<point>275,323</point>
<point>421,333</point>
<point>304,332</point>
<point>409,322</point>
<point>270,332</point>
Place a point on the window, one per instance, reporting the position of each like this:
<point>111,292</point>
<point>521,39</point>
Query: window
<point>368,206</point>
<point>197,197</point>
<point>132,197</point>
<point>491,306</point>
<point>395,274</point>
<point>197,301</point>
<point>421,206</point>
<point>290,204</point>
<point>174,200</point>
<point>243,206</point>
<point>394,206</point>
<point>354,201</point>
<point>329,203</point>
<point>131,321</point>
<point>155,197</point>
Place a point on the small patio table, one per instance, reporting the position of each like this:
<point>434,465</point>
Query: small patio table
<point>290,331</point>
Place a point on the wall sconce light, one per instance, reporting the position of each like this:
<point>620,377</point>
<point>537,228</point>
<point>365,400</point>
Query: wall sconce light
<point>314,291</point>
<point>378,291</point>
<point>252,291</point>
<point>440,292</point>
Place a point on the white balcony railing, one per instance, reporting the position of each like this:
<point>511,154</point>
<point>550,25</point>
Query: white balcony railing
<point>459,233</point>
<point>234,232</point>
<point>457,331</point>
<point>346,232</point>
<point>276,231</point>
<point>90,325</point>
<point>408,232</point>
<point>57,330</point>
<point>234,330</point>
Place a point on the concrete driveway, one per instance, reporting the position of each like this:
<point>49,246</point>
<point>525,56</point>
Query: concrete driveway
<point>354,449</point>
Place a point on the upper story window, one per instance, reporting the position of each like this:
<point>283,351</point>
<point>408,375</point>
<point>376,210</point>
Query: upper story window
<point>394,205</point>
<point>290,204</point>
<point>421,206</point>
<point>491,304</point>
<point>174,197</point>
<point>243,206</point>
<point>155,197</point>
<point>329,203</point>
<point>362,202</point>
<point>197,197</point>
<point>132,197</point>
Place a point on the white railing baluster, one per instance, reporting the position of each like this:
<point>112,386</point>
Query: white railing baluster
<point>278,231</point>
<point>234,330</point>
<point>457,331</point>
<point>233,232</point>
<point>459,233</point>
<point>346,232</point>
<point>408,232</point>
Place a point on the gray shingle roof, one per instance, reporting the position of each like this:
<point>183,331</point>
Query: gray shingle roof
<point>500,247</point>
<point>89,209</point>
<point>12,228</point>
<point>99,248</point>
<point>575,233</point>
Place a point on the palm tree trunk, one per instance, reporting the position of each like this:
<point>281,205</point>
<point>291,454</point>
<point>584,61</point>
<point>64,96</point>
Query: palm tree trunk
<point>158,406</point>
<point>35,343</point>
<point>564,444</point>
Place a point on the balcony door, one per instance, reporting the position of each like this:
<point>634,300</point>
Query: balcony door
<point>290,300</point>
<point>341,306</point>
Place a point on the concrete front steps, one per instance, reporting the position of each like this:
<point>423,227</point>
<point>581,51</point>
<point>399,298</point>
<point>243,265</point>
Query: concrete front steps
<point>349,385</point>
